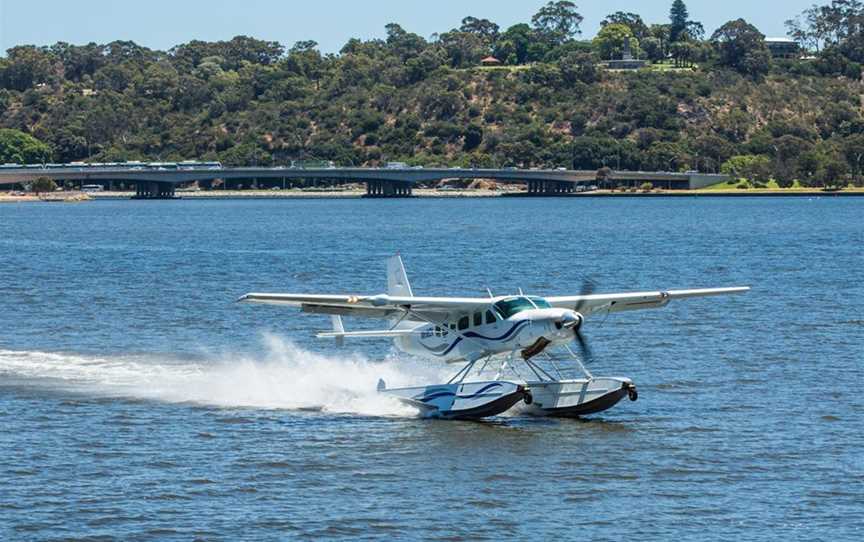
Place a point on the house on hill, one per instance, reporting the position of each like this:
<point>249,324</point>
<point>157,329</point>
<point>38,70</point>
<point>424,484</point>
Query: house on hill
<point>783,48</point>
<point>490,61</point>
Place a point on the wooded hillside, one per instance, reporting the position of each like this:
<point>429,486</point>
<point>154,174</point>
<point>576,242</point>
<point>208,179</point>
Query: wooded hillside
<point>429,102</point>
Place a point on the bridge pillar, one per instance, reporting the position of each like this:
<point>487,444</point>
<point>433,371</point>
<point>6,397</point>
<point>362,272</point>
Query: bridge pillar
<point>557,188</point>
<point>388,189</point>
<point>550,188</point>
<point>153,190</point>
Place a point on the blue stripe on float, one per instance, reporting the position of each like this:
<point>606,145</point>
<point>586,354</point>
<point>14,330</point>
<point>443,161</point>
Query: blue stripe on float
<point>436,395</point>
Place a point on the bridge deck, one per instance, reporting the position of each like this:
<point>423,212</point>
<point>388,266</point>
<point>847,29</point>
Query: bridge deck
<point>160,182</point>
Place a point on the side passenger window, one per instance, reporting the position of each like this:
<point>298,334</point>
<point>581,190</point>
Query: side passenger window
<point>463,323</point>
<point>490,317</point>
<point>478,319</point>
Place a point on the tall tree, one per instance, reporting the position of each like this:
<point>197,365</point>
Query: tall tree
<point>20,148</point>
<point>610,41</point>
<point>660,32</point>
<point>678,18</point>
<point>742,47</point>
<point>463,49</point>
<point>513,45</point>
<point>695,31</point>
<point>632,20</point>
<point>484,28</point>
<point>557,21</point>
<point>819,27</point>
<point>25,67</point>
<point>405,44</point>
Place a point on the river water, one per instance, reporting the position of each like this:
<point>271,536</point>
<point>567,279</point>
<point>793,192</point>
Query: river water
<point>139,402</point>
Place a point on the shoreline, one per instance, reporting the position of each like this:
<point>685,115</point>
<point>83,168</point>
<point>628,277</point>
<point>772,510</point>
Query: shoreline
<point>427,193</point>
<point>479,193</point>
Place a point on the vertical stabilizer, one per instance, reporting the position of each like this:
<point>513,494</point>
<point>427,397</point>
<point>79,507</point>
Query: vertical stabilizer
<point>397,279</point>
<point>338,328</point>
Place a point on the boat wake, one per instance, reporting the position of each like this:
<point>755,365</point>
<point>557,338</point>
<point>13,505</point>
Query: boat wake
<point>285,377</point>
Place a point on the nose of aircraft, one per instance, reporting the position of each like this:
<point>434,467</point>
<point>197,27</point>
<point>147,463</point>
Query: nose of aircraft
<point>568,320</point>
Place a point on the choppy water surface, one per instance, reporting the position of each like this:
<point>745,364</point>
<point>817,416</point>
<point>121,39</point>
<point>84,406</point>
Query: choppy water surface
<point>138,402</point>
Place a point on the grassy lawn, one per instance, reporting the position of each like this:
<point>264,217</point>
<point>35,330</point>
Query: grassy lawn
<point>769,186</point>
<point>669,67</point>
<point>494,68</point>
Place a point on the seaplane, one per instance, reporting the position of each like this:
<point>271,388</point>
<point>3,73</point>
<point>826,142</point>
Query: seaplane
<point>526,341</point>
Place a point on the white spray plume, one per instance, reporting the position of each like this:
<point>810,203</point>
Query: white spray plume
<point>287,377</point>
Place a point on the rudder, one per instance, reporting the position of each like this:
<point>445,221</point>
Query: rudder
<point>397,279</point>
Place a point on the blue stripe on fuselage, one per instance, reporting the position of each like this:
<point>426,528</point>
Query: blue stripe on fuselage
<point>473,335</point>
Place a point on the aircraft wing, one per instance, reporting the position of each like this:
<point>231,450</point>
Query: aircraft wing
<point>594,303</point>
<point>376,306</point>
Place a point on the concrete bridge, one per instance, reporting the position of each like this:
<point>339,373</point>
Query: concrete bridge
<point>159,182</point>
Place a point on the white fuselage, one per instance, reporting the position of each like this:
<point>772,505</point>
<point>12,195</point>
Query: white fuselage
<point>480,334</point>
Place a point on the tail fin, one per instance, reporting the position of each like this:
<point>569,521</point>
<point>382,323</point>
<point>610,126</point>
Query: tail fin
<point>397,279</point>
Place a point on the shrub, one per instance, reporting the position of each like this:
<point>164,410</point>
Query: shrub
<point>43,184</point>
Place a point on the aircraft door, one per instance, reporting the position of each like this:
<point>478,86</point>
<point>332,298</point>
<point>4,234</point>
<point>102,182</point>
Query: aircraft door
<point>491,319</point>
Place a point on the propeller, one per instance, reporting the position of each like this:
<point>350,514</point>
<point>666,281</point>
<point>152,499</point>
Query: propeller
<point>584,350</point>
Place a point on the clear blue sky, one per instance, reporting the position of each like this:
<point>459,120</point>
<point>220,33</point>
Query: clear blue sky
<point>161,24</point>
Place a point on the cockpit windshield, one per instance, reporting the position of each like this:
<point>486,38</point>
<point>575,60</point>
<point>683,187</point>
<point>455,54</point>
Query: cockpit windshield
<point>512,305</point>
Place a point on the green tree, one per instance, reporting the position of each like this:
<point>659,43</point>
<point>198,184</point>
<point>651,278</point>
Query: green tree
<point>579,67</point>
<point>678,18</point>
<point>405,44</point>
<point>683,53</point>
<point>485,29</point>
<point>20,148</point>
<point>632,20</point>
<point>78,61</point>
<point>578,123</point>
<point>462,49</point>
<point>667,156</point>
<point>512,45</point>
<point>43,184</point>
<point>557,21</point>
<point>653,49</point>
<point>754,168</point>
<point>742,47</point>
<point>609,42</point>
<point>788,150</point>
<point>602,177</point>
<point>26,66</point>
<point>473,137</point>
<point>835,172</point>
<point>826,26</point>
<point>853,150</point>
<point>661,33</point>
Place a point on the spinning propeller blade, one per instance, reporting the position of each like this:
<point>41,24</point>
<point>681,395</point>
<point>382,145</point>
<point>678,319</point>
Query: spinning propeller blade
<point>584,350</point>
<point>586,289</point>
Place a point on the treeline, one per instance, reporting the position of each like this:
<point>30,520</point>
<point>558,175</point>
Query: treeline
<point>729,106</point>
